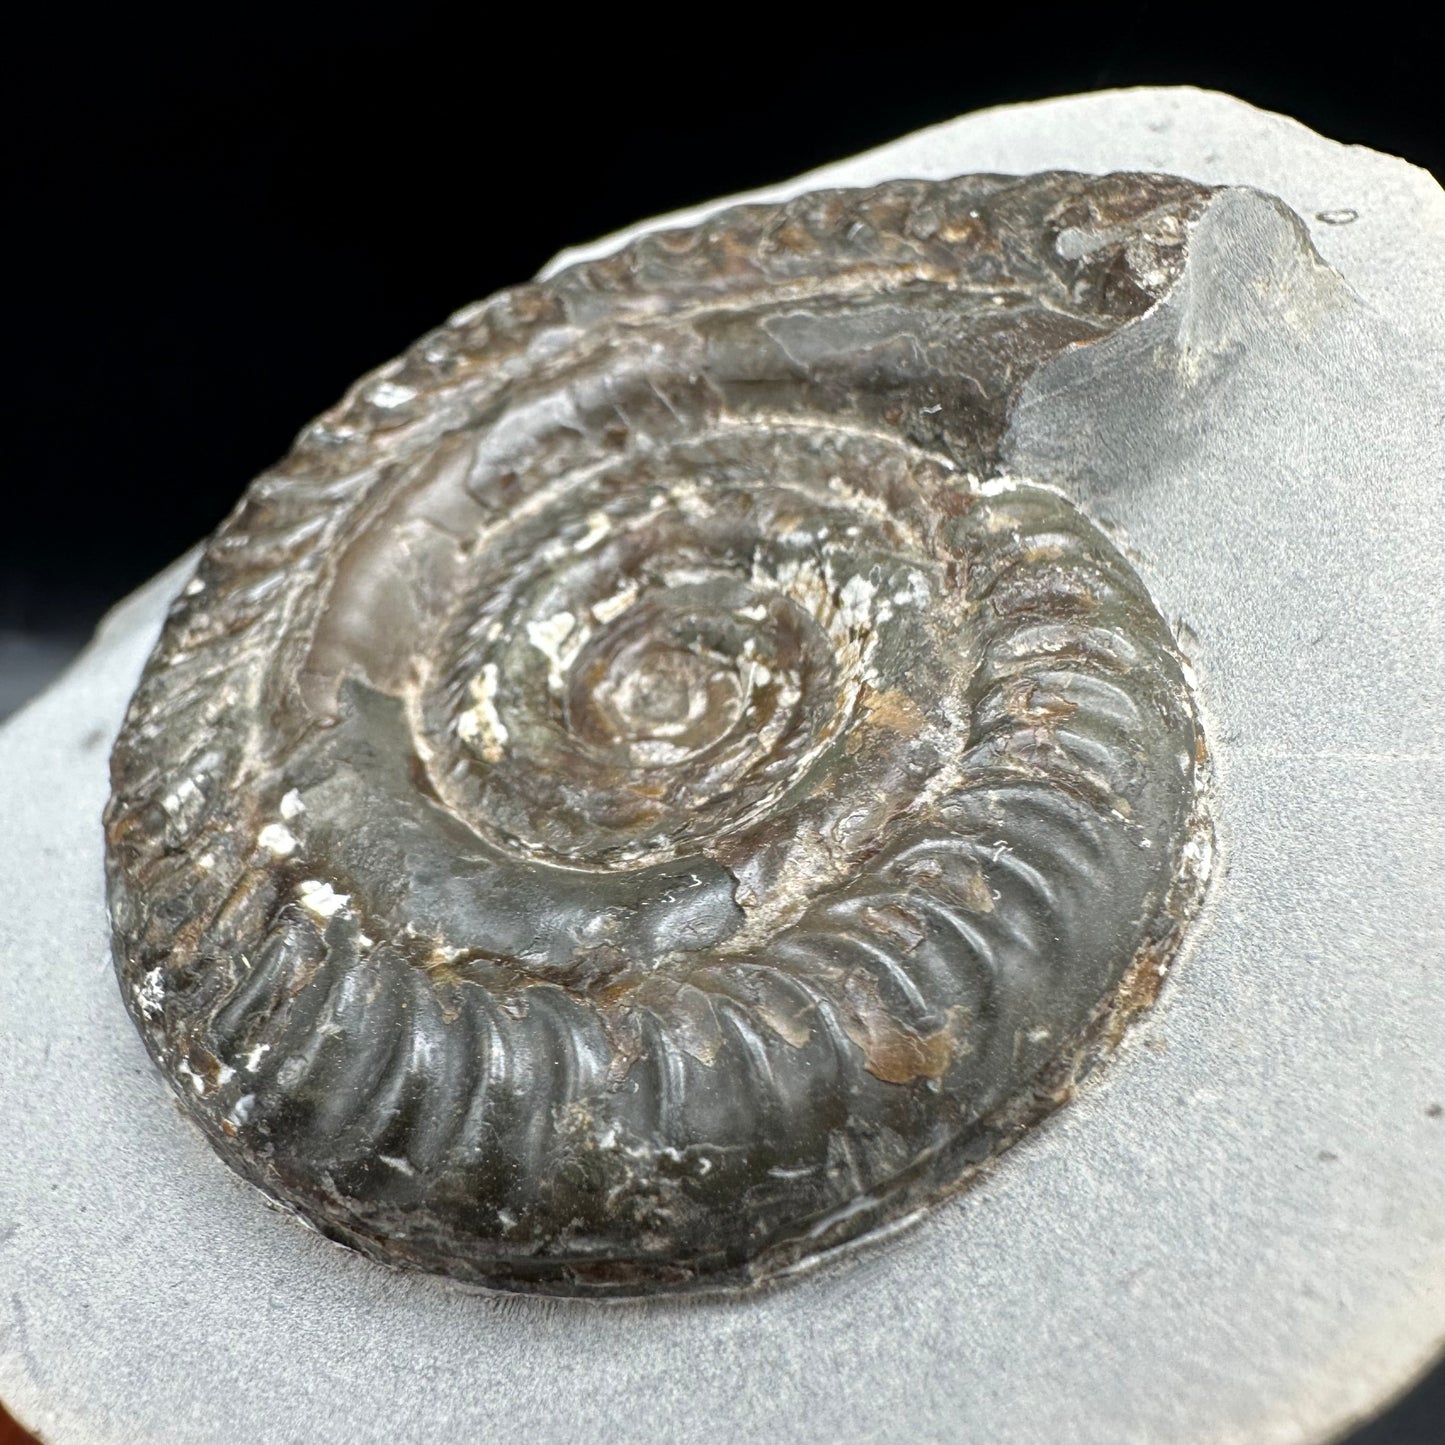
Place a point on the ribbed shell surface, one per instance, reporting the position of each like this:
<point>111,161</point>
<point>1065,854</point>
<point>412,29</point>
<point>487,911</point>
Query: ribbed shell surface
<point>635,799</point>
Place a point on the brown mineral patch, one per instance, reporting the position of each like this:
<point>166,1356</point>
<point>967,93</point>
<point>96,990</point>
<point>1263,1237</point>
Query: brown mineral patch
<point>690,1015</point>
<point>11,1433</point>
<point>893,710</point>
<point>898,1056</point>
<point>788,1023</point>
<point>963,882</point>
<point>975,894</point>
<point>892,1051</point>
<point>906,929</point>
<point>1031,703</point>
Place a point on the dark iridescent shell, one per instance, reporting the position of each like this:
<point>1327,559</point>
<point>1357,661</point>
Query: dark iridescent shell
<point>634,800</point>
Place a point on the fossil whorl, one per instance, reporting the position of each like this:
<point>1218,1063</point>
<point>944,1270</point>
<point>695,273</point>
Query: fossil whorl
<point>634,799</point>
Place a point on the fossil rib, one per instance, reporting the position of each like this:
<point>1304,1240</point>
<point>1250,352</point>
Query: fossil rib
<point>633,800</point>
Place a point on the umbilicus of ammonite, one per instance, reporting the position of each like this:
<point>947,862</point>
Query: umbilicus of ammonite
<point>636,799</point>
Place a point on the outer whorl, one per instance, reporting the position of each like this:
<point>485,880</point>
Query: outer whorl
<point>634,800</point>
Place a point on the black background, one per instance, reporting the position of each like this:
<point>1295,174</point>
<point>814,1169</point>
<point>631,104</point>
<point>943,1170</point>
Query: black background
<point>218,229</point>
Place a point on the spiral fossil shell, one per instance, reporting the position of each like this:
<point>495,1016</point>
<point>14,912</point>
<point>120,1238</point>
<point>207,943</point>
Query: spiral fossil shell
<point>635,799</point>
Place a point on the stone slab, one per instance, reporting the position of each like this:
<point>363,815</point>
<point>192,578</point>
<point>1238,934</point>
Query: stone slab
<point>1234,1235</point>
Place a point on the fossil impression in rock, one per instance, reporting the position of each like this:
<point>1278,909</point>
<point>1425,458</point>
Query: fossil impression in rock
<point>635,799</point>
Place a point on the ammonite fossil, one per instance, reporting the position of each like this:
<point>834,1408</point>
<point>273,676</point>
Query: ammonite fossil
<point>635,799</point>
